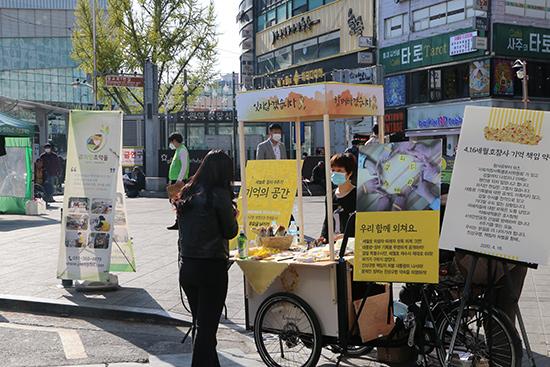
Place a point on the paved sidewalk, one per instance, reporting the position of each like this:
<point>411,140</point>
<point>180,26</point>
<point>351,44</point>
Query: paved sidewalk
<point>29,251</point>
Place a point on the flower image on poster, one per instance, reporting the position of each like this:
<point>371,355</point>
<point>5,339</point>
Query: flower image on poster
<point>395,91</point>
<point>504,78</point>
<point>480,78</point>
<point>514,127</point>
<point>399,176</point>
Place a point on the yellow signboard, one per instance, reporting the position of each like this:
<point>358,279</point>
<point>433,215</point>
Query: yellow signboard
<point>397,245</point>
<point>271,189</point>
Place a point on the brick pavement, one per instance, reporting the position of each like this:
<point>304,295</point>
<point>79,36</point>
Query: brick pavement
<point>29,250</point>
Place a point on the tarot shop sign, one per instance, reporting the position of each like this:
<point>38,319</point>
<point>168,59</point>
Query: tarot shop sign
<point>398,201</point>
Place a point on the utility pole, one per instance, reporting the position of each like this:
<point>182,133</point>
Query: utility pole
<point>185,108</point>
<point>235,132</point>
<point>94,83</point>
<point>166,101</point>
<point>152,128</point>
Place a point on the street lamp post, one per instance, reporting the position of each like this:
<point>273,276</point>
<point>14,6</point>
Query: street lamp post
<point>234,117</point>
<point>94,40</point>
<point>185,108</point>
<point>521,72</point>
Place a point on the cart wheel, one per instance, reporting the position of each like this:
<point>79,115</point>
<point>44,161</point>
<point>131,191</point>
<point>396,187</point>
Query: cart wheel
<point>287,332</point>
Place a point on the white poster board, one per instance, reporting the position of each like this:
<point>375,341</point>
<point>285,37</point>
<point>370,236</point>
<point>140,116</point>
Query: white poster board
<point>499,194</point>
<point>93,165</point>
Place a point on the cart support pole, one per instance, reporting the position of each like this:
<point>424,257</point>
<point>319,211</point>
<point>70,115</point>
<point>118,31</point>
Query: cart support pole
<point>242,159</point>
<point>330,222</point>
<point>299,178</point>
<point>381,129</point>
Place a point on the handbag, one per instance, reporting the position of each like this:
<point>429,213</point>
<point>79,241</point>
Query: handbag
<point>174,190</point>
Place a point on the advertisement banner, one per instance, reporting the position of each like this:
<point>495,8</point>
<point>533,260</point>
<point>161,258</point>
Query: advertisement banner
<point>395,91</point>
<point>398,202</point>
<point>93,165</point>
<point>480,78</point>
<point>122,254</point>
<point>504,78</point>
<point>521,41</point>
<point>498,200</point>
<point>271,189</point>
<point>311,102</point>
<point>132,156</point>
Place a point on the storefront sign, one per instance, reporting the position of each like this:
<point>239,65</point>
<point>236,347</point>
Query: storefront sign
<point>482,5</point>
<point>481,43</point>
<point>132,156</point>
<point>480,78</point>
<point>462,43</point>
<point>365,58</point>
<point>423,52</point>
<point>355,24</point>
<point>360,76</point>
<point>438,116</point>
<point>521,41</point>
<point>498,199</point>
<point>398,202</point>
<point>90,201</point>
<point>395,121</point>
<point>365,41</point>
<point>130,81</point>
<point>271,189</point>
<point>303,25</point>
<point>481,23</point>
<point>308,76</point>
<point>395,91</point>
<point>503,77</point>
<point>311,102</point>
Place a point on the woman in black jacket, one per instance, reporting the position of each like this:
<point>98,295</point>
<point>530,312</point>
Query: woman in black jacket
<point>207,221</point>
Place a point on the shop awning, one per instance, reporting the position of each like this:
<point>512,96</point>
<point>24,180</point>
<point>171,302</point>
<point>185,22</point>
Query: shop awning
<point>10,126</point>
<point>433,132</point>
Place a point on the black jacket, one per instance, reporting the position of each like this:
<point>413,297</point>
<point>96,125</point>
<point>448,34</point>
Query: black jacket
<point>206,224</point>
<point>344,207</point>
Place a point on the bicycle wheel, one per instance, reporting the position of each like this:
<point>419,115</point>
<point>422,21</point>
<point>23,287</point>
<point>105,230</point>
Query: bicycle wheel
<point>475,343</point>
<point>353,350</point>
<point>287,332</point>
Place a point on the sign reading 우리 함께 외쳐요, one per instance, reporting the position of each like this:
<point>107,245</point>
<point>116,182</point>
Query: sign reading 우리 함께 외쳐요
<point>93,165</point>
<point>398,202</point>
<point>498,198</point>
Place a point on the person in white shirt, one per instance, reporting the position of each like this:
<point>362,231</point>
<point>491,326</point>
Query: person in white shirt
<point>272,148</point>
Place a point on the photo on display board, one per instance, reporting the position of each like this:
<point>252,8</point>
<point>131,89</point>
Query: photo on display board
<point>79,205</point>
<point>120,218</point>
<point>75,239</point>
<point>399,176</point>
<point>99,240</point>
<point>102,206</point>
<point>100,223</point>
<point>77,222</point>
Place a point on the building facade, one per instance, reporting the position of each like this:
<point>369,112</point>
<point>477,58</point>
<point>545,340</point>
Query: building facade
<point>36,68</point>
<point>439,56</point>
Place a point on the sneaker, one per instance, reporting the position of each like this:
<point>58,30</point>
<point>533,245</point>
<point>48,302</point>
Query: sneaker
<point>173,227</point>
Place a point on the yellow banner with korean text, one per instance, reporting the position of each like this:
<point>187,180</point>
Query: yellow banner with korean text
<point>397,246</point>
<point>271,190</point>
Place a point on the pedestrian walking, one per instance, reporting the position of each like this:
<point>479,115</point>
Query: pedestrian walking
<point>207,221</point>
<point>51,169</point>
<point>272,148</point>
<point>178,172</point>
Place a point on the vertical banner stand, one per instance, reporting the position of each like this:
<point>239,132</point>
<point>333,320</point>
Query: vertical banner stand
<point>298,126</point>
<point>466,295</point>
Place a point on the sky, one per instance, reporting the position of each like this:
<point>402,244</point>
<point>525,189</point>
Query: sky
<point>228,30</point>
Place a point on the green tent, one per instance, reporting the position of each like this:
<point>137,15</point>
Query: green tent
<point>16,165</point>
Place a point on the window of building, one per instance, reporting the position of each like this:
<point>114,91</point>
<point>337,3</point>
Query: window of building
<point>396,26</point>
<point>283,57</point>
<point>261,22</point>
<point>456,81</point>
<point>315,4</point>
<point>539,80</point>
<point>443,13</point>
<point>271,18</point>
<point>435,85</point>
<point>329,44</point>
<point>419,85</point>
<point>266,63</point>
<point>299,7</point>
<point>281,13</point>
<point>528,8</point>
<point>305,51</point>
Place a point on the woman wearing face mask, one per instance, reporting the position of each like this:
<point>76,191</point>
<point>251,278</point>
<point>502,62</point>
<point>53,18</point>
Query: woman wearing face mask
<point>344,197</point>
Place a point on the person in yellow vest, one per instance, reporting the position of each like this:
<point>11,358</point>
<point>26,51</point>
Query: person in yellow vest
<point>179,168</point>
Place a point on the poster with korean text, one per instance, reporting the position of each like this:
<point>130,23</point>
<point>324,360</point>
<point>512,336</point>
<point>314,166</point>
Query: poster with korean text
<point>499,196</point>
<point>93,165</point>
<point>271,190</point>
<point>398,202</point>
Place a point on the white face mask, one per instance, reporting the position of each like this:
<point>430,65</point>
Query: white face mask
<point>276,137</point>
<point>172,146</point>
<point>48,150</point>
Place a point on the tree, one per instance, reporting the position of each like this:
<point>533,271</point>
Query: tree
<point>177,35</point>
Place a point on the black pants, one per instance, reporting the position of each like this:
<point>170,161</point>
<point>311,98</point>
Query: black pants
<point>204,282</point>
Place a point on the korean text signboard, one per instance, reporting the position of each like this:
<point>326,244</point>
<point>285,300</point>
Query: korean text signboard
<point>521,41</point>
<point>90,202</point>
<point>310,102</point>
<point>398,201</point>
<point>499,196</point>
<point>132,156</point>
<point>429,51</point>
<point>271,189</point>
